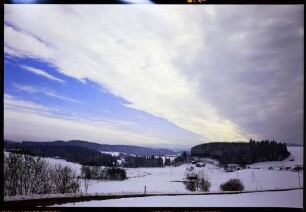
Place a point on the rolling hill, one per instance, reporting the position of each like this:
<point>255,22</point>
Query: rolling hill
<point>127,149</point>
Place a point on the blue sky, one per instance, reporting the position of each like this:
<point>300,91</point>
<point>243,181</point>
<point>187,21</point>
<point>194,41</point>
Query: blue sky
<point>153,76</point>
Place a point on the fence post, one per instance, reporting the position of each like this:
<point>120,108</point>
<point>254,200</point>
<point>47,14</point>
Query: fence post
<point>299,177</point>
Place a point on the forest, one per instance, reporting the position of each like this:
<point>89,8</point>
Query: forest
<point>242,152</point>
<point>145,161</point>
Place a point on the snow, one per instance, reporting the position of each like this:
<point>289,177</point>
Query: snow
<point>208,161</point>
<point>74,166</point>
<point>111,153</point>
<point>172,157</point>
<point>169,180</point>
<point>162,180</point>
<point>291,199</point>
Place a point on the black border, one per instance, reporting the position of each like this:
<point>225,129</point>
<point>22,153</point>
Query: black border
<point>198,2</point>
<point>149,209</point>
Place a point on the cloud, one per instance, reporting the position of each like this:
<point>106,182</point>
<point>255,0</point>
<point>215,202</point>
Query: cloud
<point>200,68</point>
<point>18,124</point>
<point>22,117</point>
<point>42,73</point>
<point>17,40</point>
<point>44,91</point>
<point>253,72</point>
<point>13,103</point>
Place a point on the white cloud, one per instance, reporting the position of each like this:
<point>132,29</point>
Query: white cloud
<point>13,103</point>
<point>64,98</point>
<point>26,88</point>
<point>44,91</point>
<point>24,45</point>
<point>45,123</point>
<point>133,52</point>
<point>42,127</point>
<point>42,73</point>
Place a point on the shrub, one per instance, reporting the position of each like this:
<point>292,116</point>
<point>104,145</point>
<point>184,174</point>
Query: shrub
<point>232,185</point>
<point>190,186</point>
<point>97,172</point>
<point>116,174</point>
<point>204,184</point>
<point>297,168</point>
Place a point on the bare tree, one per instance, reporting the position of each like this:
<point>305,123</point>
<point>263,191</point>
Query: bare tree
<point>25,175</point>
<point>12,164</point>
<point>86,184</point>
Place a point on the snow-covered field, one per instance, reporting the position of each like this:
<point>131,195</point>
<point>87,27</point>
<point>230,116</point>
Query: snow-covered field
<point>163,179</point>
<point>292,199</point>
<point>166,180</point>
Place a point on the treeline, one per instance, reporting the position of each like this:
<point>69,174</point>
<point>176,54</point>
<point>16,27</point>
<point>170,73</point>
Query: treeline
<point>181,159</point>
<point>97,173</point>
<point>144,161</point>
<point>26,175</point>
<point>73,154</point>
<point>241,152</point>
<point>154,161</point>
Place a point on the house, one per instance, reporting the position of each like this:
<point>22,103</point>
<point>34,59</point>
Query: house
<point>232,168</point>
<point>200,164</point>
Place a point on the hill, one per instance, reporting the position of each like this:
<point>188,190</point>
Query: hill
<point>70,153</point>
<point>127,149</point>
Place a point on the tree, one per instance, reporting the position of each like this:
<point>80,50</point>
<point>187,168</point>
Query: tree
<point>204,184</point>
<point>25,175</point>
<point>86,184</point>
<point>183,158</point>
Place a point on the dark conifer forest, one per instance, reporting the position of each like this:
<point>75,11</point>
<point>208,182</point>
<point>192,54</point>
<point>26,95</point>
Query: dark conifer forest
<point>241,152</point>
<point>145,161</point>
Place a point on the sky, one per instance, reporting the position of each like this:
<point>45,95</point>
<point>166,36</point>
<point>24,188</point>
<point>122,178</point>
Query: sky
<point>154,75</point>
